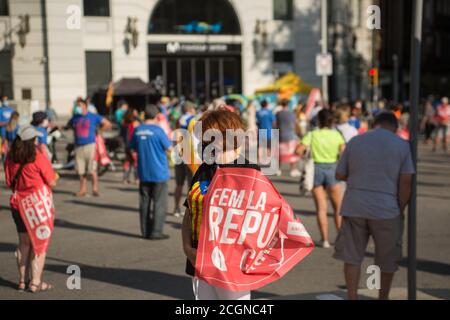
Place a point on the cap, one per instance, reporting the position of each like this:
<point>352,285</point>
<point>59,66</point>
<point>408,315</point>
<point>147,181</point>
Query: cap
<point>38,117</point>
<point>28,132</point>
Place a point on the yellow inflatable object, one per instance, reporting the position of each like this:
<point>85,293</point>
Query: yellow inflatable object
<point>195,161</point>
<point>287,85</point>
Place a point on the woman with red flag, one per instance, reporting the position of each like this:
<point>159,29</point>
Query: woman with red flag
<point>220,120</point>
<point>30,176</point>
<point>249,253</point>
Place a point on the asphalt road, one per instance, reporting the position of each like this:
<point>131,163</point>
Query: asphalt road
<point>101,236</point>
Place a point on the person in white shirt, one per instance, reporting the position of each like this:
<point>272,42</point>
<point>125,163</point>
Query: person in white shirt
<point>347,131</point>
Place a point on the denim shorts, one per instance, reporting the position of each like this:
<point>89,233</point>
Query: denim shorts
<point>325,174</point>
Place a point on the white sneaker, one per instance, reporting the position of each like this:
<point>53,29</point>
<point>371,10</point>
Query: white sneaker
<point>177,213</point>
<point>325,244</point>
<point>279,173</point>
<point>295,173</point>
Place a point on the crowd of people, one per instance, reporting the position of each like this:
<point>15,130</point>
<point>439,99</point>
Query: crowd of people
<point>361,162</point>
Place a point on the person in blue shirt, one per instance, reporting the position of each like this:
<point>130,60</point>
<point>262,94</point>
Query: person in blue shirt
<point>151,143</point>
<point>5,115</point>
<point>40,122</point>
<point>12,127</point>
<point>265,121</point>
<point>84,124</point>
<point>10,134</point>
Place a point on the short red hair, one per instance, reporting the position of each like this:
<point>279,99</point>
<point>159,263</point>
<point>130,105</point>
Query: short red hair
<point>222,120</point>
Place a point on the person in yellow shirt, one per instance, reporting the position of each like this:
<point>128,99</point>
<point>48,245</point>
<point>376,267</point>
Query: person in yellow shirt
<point>326,144</point>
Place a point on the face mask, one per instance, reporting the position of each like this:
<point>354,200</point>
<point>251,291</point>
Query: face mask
<point>78,110</point>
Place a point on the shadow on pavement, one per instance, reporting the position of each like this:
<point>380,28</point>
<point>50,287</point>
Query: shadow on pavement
<point>7,284</point>
<point>281,180</point>
<point>126,189</point>
<point>432,160</point>
<point>57,191</point>
<point>332,295</point>
<point>425,265</point>
<point>7,247</point>
<point>301,212</point>
<point>433,196</point>
<point>68,175</point>
<point>433,184</point>
<point>70,225</point>
<point>438,293</point>
<point>103,205</point>
<point>175,225</point>
<point>179,287</point>
<point>433,173</point>
<point>161,283</point>
<point>295,195</point>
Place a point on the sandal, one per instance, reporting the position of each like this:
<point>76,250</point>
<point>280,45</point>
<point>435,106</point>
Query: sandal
<point>80,194</point>
<point>43,286</point>
<point>22,286</point>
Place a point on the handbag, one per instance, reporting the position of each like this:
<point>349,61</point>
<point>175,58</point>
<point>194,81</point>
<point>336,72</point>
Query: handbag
<point>307,172</point>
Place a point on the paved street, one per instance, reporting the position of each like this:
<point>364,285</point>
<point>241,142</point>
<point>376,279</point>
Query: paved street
<point>101,235</point>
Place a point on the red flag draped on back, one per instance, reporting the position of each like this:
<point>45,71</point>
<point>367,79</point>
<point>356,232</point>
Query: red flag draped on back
<point>38,214</point>
<point>101,154</point>
<point>249,236</point>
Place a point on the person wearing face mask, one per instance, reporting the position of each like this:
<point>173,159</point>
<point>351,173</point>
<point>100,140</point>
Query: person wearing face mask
<point>40,122</point>
<point>84,124</point>
<point>29,172</point>
<point>76,108</point>
<point>227,156</point>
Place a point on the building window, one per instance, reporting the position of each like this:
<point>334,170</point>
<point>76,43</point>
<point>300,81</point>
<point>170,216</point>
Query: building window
<point>4,8</point>
<point>285,56</point>
<point>283,62</point>
<point>283,9</point>
<point>98,70</point>
<point>27,94</point>
<point>443,7</point>
<point>194,17</point>
<point>96,8</point>
<point>6,88</point>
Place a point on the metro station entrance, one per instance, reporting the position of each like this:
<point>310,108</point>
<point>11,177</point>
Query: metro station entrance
<point>194,48</point>
<point>196,71</point>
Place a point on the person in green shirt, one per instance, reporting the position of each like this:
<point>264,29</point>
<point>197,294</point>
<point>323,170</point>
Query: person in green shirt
<point>122,108</point>
<point>326,144</point>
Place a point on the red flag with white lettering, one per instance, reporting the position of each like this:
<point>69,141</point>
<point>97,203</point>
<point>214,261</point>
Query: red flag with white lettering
<point>38,214</point>
<point>249,236</point>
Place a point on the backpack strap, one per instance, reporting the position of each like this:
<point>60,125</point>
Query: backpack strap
<point>16,177</point>
<point>341,133</point>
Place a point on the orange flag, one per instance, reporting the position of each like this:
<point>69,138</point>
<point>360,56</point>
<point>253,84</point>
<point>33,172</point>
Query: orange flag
<point>109,95</point>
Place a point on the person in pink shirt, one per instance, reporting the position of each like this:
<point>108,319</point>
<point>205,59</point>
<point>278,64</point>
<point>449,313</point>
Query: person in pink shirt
<point>442,118</point>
